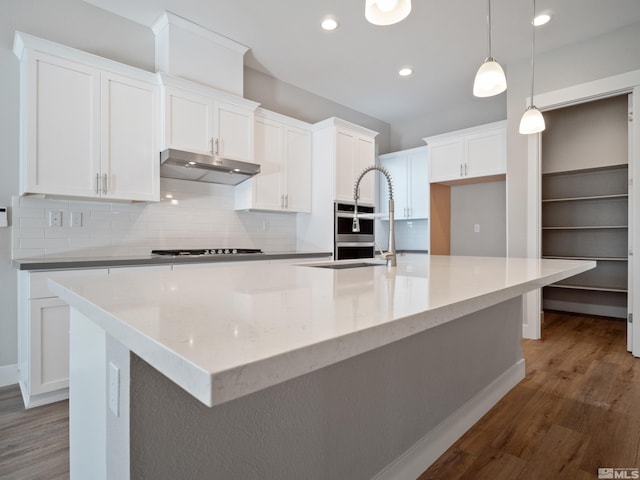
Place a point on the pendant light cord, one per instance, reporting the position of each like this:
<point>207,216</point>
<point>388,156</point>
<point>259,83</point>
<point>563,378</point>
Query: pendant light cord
<point>489,29</point>
<point>533,49</point>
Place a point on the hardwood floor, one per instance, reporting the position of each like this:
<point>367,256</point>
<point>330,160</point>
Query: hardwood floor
<point>34,444</point>
<point>577,410</point>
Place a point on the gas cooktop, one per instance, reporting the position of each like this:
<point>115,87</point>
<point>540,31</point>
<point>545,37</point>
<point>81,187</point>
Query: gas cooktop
<point>207,251</point>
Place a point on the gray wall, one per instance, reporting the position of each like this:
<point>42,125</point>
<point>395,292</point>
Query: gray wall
<point>85,27</point>
<point>345,421</point>
<point>483,204</point>
<point>297,103</point>
<point>601,57</point>
<point>409,134</point>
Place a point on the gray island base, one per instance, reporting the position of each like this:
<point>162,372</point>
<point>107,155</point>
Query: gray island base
<point>385,408</point>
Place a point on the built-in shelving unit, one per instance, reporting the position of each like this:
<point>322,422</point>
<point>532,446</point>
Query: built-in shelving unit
<point>585,216</point>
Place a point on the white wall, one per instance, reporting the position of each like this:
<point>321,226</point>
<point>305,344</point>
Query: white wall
<point>197,215</point>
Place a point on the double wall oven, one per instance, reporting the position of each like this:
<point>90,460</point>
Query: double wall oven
<point>348,244</point>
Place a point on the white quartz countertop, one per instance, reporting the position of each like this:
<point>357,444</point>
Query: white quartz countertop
<point>221,333</point>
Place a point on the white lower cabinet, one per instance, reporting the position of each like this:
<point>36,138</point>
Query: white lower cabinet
<point>49,340</point>
<point>43,337</point>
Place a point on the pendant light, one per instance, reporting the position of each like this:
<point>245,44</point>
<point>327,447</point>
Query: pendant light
<point>490,79</point>
<point>532,121</point>
<point>386,12</point>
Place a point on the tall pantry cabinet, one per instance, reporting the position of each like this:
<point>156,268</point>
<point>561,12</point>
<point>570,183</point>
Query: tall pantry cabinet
<point>585,205</point>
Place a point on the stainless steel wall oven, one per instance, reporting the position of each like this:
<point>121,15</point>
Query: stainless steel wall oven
<point>348,244</point>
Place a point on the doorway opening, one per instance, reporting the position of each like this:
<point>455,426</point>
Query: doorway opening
<point>584,207</point>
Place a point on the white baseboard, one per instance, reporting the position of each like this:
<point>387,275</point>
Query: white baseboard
<point>8,375</point>
<point>411,464</point>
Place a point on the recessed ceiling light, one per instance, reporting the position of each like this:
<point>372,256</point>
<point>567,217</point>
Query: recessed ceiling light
<point>541,19</point>
<point>405,71</point>
<point>329,24</point>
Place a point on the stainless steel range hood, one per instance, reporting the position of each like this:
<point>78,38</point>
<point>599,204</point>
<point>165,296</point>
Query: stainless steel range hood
<point>205,168</point>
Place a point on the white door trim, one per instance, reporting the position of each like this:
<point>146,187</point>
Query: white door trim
<point>581,93</point>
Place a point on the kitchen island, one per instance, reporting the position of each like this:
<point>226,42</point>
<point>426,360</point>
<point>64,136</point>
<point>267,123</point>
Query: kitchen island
<point>292,371</point>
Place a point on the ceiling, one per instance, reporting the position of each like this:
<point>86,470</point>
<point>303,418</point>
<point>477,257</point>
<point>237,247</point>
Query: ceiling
<point>356,65</point>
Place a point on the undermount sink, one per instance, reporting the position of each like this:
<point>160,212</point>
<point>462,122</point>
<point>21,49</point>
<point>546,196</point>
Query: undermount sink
<point>340,266</point>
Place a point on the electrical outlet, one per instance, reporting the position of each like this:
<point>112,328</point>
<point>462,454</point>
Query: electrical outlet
<point>476,227</point>
<point>76,219</point>
<point>55,218</point>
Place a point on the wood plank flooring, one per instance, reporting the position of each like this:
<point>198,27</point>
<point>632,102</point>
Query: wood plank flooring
<point>577,410</point>
<point>34,443</point>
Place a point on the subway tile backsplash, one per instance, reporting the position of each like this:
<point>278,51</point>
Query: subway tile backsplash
<point>189,215</point>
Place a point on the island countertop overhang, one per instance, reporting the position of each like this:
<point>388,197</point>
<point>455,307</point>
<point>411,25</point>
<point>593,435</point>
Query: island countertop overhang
<point>227,332</point>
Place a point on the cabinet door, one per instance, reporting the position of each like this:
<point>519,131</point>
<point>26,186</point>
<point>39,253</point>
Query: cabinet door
<point>269,153</point>
<point>129,160</point>
<point>61,127</point>
<point>486,153</point>
<point>365,157</point>
<point>188,121</point>
<point>344,165</point>
<point>298,155</point>
<point>397,167</point>
<point>446,160</point>
<point>418,181</point>
<point>233,131</point>
<point>49,338</point>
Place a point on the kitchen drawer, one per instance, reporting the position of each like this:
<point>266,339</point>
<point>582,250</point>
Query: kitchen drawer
<point>38,280</point>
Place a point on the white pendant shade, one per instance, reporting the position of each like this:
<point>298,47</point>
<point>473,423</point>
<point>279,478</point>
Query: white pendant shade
<point>386,12</point>
<point>490,79</point>
<point>532,121</point>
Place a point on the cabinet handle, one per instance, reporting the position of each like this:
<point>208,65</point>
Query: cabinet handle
<point>461,170</point>
<point>97,184</point>
<point>465,169</point>
<point>211,145</point>
<point>286,201</point>
<point>217,146</point>
<point>281,201</point>
<point>105,183</point>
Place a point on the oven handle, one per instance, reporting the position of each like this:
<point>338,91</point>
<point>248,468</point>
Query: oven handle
<point>354,244</point>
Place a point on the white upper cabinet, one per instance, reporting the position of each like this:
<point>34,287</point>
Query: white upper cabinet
<point>468,154</point>
<point>409,176</point>
<point>86,131</point>
<point>283,150</point>
<point>129,144</point>
<point>341,151</point>
<point>354,152</point>
<point>204,120</point>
